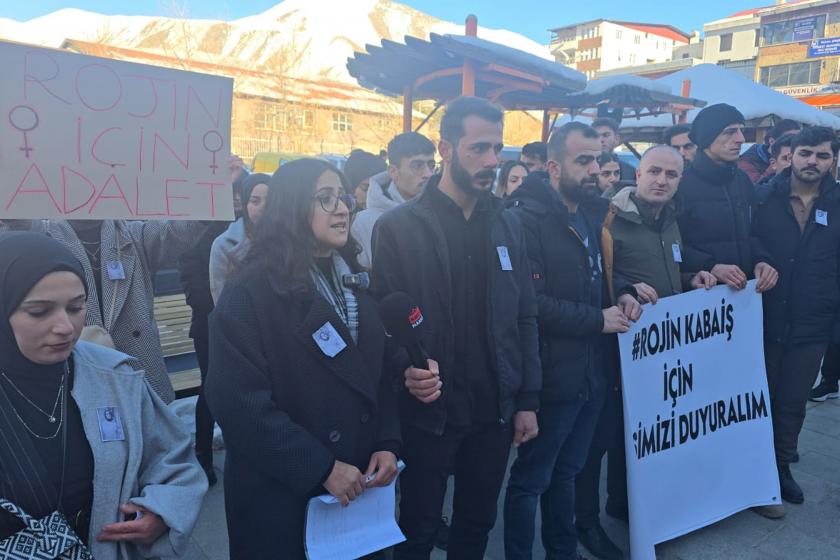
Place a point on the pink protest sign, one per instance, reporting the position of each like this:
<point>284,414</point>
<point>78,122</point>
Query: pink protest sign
<point>90,138</point>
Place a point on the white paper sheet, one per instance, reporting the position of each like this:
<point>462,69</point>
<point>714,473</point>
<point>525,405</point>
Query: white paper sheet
<point>367,525</point>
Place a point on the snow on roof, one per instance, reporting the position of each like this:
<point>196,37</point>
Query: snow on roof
<point>599,86</point>
<point>757,102</point>
<point>549,69</point>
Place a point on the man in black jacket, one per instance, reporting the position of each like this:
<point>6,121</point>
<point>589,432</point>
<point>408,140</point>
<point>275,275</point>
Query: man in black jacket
<point>798,220</point>
<point>562,223</point>
<point>717,204</point>
<point>463,261</point>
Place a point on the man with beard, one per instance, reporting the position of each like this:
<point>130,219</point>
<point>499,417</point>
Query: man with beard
<point>562,219</point>
<point>677,137</point>
<point>533,156</point>
<point>464,263</point>
<point>797,220</point>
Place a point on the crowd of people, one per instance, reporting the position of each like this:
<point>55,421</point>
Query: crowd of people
<point>524,272</point>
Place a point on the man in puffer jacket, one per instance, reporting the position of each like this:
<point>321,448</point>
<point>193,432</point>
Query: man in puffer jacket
<point>717,199</point>
<point>411,158</point>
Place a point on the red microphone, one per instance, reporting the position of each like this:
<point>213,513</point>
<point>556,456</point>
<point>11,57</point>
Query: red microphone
<point>402,318</point>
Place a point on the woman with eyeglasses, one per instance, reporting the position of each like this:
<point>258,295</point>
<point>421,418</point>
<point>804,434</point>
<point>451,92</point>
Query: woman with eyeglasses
<point>610,174</point>
<point>82,432</point>
<point>298,377</point>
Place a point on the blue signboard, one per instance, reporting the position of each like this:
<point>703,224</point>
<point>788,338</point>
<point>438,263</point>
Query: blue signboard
<point>803,29</point>
<point>824,47</point>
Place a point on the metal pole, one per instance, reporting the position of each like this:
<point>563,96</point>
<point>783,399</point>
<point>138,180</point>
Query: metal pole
<point>468,77</point>
<point>407,111</point>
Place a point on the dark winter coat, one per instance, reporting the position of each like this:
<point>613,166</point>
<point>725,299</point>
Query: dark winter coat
<point>569,326</point>
<point>716,216</point>
<point>803,307</point>
<point>287,410</point>
<point>410,255</point>
<point>194,267</point>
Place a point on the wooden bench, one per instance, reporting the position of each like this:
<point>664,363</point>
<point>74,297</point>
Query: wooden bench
<point>173,317</point>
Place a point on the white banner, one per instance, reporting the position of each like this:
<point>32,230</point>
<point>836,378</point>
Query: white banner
<point>90,138</point>
<point>698,431</point>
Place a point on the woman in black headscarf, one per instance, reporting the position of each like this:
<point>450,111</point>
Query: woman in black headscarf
<point>69,409</point>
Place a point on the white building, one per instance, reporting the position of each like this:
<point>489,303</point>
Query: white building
<point>602,44</point>
<point>732,42</point>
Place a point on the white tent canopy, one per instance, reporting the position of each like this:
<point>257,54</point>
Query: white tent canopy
<point>759,103</point>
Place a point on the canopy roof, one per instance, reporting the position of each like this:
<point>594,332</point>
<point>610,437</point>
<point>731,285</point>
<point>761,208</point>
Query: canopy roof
<point>760,105</point>
<point>433,69</point>
<point>632,93</point>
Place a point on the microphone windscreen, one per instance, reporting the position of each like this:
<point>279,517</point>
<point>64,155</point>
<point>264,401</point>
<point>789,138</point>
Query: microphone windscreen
<point>400,316</point>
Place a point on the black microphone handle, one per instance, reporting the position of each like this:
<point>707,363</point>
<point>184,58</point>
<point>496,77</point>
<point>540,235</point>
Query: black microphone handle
<point>418,355</point>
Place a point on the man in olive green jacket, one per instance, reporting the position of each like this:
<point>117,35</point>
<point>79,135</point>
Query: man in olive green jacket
<point>647,247</point>
<point>642,234</point>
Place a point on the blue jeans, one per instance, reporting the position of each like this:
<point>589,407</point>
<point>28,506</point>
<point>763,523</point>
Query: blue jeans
<point>544,472</point>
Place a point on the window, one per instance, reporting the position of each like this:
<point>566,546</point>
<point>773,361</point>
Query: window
<point>726,42</point>
<point>757,37</point>
<point>782,75</point>
<point>637,40</point>
<point>342,122</point>
<point>303,119</point>
<point>269,116</point>
<point>618,33</point>
<point>382,123</point>
<point>802,29</point>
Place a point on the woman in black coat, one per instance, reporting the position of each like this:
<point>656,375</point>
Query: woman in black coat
<point>298,378</point>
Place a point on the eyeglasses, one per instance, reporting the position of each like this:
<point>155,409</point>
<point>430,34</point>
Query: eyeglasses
<point>418,165</point>
<point>329,202</point>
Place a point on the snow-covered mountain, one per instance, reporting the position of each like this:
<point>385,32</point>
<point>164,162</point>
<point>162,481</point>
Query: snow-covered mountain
<point>307,38</point>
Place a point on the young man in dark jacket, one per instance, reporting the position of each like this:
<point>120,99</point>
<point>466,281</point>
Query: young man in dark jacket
<point>562,220</point>
<point>798,221</point>
<point>463,261</point>
<point>717,204</point>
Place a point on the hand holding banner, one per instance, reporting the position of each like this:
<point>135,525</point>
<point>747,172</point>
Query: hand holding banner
<point>698,431</point>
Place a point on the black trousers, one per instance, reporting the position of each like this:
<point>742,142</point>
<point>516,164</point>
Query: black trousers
<point>203,419</point>
<point>609,439</point>
<point>478,458</point>
<point>791,372</point>
<point>831,364</point>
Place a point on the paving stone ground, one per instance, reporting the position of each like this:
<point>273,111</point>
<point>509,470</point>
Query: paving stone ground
<point>809,532</point>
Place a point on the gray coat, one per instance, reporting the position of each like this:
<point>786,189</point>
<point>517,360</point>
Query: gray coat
<point>145,248</point>
<point>153,466</point>
<point>226,256</point>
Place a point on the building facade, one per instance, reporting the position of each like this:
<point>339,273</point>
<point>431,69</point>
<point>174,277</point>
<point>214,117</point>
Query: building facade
<point>732,42</point>
<point>799,50</point>
<point>601,45</point>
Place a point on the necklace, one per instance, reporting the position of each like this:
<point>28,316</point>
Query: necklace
<point>93,256</point>
<point>50,416</point>
<point>62,397</point>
